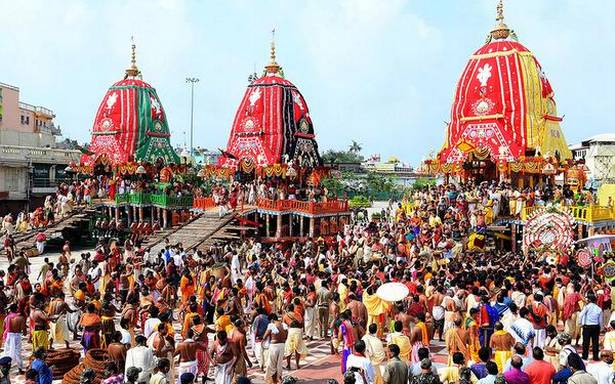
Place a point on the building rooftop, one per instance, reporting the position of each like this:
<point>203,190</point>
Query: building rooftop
<point>600,138</point>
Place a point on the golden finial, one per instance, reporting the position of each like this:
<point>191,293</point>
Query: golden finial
<point>273,66</point>
<point>500,12</point>
<point>501,30</point>
<point>133,71</point>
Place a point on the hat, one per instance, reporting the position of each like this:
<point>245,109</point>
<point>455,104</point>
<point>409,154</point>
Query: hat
<point>186,377</point>
<point>425,363</point>
<point>6,360</point>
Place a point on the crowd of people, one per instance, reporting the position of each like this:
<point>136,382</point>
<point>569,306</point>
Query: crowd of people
<point>176,316</point>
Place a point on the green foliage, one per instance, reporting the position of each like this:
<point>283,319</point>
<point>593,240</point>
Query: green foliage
<point>378,183</point>
<point>333,157</point>
<point>359,201</point>
<point>355,147</point>
<point>188,177</point>
<point>423,182</point>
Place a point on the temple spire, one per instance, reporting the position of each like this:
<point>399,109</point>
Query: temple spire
<point>273,67</point>
<point>501,30</point>
<point>133,71</point>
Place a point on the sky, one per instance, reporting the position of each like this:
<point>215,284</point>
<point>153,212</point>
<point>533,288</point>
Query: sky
<point>380,72</point>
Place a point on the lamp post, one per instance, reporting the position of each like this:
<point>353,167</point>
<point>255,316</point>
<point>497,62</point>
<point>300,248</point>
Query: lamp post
<point>192,81</point>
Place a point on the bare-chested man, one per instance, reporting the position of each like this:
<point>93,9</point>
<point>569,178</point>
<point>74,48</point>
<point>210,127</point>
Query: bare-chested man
<point>437,311</point>
<point>238,337</point>
<point>405,319</point>
<point>58,310</point>
<point>117,351</point>
<point>15,324</point>
<point>40,335</point>
<point>357,309</point>
<point>334,312</point>
<point>225,355</point>
<point>129,315</point>
<point>163,346</point>
<point>187,350</point>
<point>277,333</point>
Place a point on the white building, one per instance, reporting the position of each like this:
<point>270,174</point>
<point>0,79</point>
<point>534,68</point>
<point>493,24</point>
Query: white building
<point>599,155</point>
<point>30,162</point>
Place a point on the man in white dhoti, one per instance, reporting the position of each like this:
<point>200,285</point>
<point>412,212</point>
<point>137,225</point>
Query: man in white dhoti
<point>187,355</point>
<point>58,310</point>
<point>14,330</point>
<point>277,332</point>
<point>224,354</point>
<point>235,268</point>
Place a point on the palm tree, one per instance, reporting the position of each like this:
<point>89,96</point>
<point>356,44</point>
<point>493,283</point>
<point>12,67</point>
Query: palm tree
<point>355,147</point>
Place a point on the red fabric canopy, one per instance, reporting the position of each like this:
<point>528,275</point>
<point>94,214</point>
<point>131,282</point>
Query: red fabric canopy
<point>272,126</point>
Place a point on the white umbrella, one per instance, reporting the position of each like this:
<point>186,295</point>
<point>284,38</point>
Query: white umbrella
<point>392,292</point>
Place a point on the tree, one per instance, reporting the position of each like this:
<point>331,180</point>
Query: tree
<point>355,147</point>
<point>332,157</point>
<point>379,183</point>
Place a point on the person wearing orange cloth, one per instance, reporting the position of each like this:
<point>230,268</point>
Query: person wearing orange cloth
<point>471,327</point>
<point>188,319</point>
<point>501,343</point>
<point>187,286</point>
<point>419,338</point>
<point>91,323</point>
<point>457,340</point>
<point>223,321</point>
<point>200,331</point>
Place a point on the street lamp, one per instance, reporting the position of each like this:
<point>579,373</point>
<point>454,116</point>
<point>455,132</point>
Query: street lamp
<point>192,81</point>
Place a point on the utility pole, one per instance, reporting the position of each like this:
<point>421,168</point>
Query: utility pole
<point>192,81</point>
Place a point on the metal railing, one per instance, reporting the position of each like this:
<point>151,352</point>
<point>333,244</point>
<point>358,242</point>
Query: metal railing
<point>310,207</point>
<point>156,199</point>
<point>588,213</point>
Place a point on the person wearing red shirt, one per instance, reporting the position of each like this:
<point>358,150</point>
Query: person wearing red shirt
<point>539,318</point>
<point>540,371</point>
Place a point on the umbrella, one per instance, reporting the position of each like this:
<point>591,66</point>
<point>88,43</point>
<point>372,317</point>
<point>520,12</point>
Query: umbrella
<point>392,292</point>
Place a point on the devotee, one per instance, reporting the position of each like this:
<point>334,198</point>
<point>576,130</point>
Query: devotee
<point>501,343</point>
<point>457,340</point>
<point>359,362</point>
<point>492,372</point>
<point>515,375</point>
<point>539,371</point>
<point>396,370</point>
<point>14,329</point>
<point>402,341</point>
<point>140,357</point>
<point>452,373</point>
<point>590,320</point>
<point>374,350</point>
<point>417,368</point>
<point>5,367</point>
<point>113,375</point>
<point>42,369</point>
<point>276,334</point>
<point>602,371</point>
<point>225,355</point>
<point>161,371</point>
<point>579,375</point>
